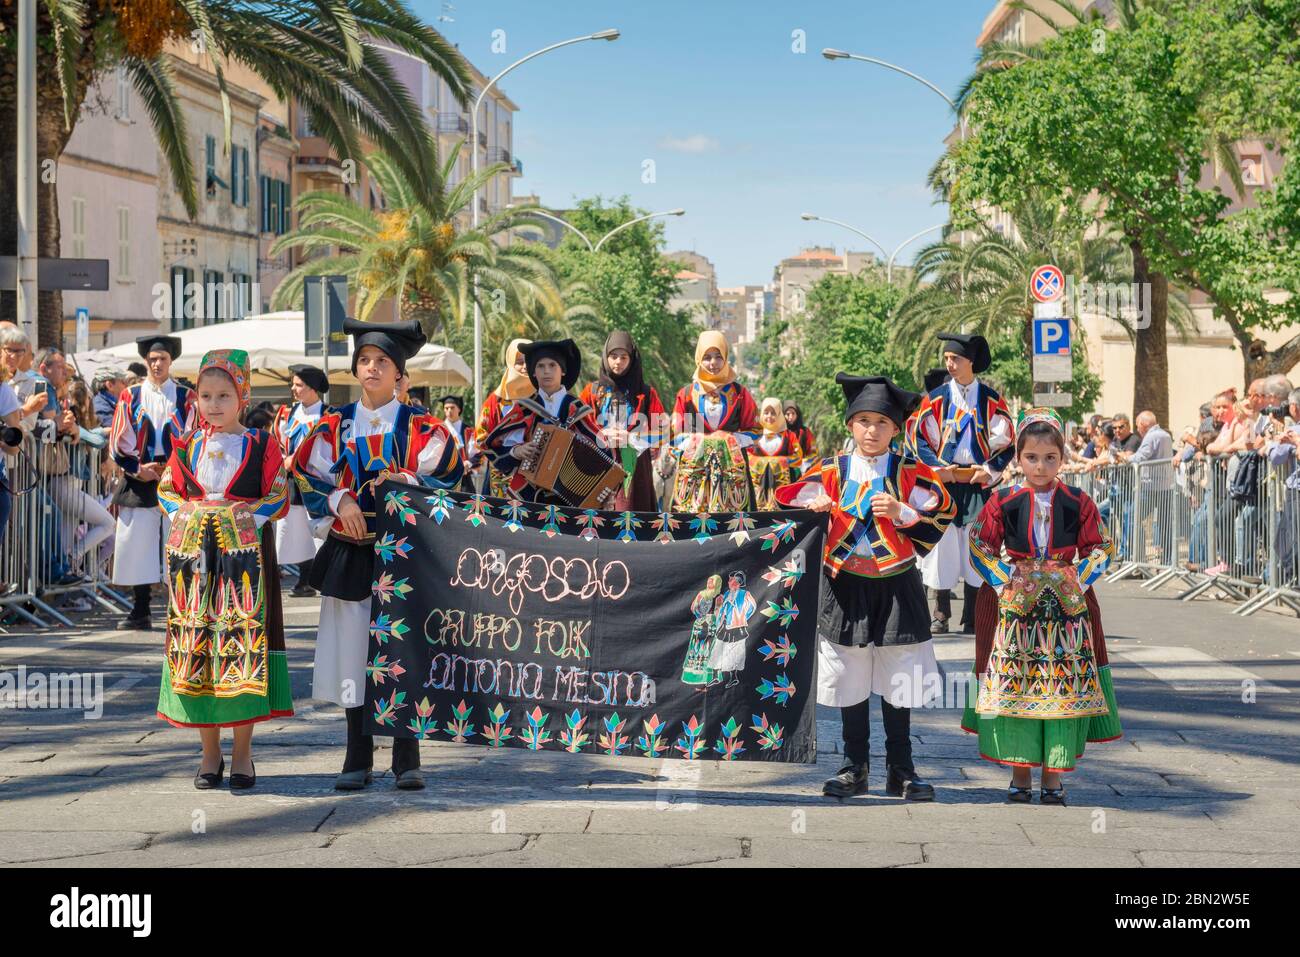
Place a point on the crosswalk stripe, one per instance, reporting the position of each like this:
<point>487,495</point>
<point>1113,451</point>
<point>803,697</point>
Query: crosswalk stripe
<point>1189,669</point>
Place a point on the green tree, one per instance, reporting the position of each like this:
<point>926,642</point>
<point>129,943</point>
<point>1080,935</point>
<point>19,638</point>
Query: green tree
<point>845,328</point>
<point>1133,117</point>
<point>627,285</point>
<point>411,251</point>
<point>309,50</point>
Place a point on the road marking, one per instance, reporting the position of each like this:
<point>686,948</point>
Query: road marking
<point>677,783</point>
<point>1188,669</point>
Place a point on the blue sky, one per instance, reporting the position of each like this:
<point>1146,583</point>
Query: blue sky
<point>745,134</point>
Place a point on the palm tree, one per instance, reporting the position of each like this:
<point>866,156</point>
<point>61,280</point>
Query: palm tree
<point>982,287</point>
<point>411,252</point>
<point>313,51</point>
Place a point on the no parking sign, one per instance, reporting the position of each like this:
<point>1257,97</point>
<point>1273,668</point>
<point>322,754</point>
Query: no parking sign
<point>1047,284</point>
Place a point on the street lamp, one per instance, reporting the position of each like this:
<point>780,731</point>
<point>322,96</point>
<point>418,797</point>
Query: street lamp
<point>853,229</point>
<point>830,54</point>
<point>889,269</point>
<point>583,236</point>
<point>633,222</point>
<point>478,312</point>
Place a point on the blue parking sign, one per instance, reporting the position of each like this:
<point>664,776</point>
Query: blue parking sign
<point>1051,337</point>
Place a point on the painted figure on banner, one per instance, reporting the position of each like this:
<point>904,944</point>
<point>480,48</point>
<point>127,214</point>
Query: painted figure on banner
<point>964,433</point>
<point>339,469</point>
<point>295,542</point>
<point>886,509</point>
<point>514,385</point>
<point>631,420</point>
<point>150,418</point>
<point>225,663</point>
<point>735,609</point>
<point>699,649</point>
<point>713,421</point>
<point>1044,680</point>
<point>774,456</point>
<point>552,367</point>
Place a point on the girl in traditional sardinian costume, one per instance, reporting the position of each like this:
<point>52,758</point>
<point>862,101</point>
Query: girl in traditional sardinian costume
<point>225,664</point>
<point>1040,654</point>
<point>802,434</point>
<point>711,419</point>
<point>775,454</point>
<point>294,542</point>
<point>886,509</point>
<point>339,467</point>
<point>631,418</point>
<point>515,385</point>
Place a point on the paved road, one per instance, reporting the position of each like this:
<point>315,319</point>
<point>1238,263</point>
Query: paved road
<point>1201,778</point>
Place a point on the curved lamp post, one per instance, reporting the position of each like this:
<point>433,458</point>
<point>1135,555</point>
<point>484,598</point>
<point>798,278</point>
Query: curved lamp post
<point>478,312</point>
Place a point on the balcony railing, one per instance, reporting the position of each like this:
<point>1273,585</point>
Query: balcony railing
<point>498,155</point>
<point>452,123</point>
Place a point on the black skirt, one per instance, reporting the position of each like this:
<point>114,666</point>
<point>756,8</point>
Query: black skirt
<point>343,569</point>
<point>969,499</point>
<point>136,493</point>
<point>859,611</point>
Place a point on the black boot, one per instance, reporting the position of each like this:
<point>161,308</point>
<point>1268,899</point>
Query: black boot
<point>905,783</point>
<point>850,780</point>
<point>301,588</point>
<point>360,756</point>
<point>406,764</point>
<point>139,619</point>
<point>968,608</point>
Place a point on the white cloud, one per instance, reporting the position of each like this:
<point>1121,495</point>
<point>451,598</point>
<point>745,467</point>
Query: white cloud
<point>696,143</point>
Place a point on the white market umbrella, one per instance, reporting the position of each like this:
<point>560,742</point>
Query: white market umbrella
<point>274,341</point>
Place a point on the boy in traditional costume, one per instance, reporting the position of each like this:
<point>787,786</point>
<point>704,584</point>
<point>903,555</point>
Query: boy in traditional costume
<point>886,509</point>
<point>339,467</point>
<point>150,417</point>
<point>1044,679</point>
<point>553,368</point>
<point>225,664</point>
<point>964,433</point>
<point>294,542</point>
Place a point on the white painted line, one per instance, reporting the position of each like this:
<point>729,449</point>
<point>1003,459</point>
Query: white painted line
<point>1188,669</point>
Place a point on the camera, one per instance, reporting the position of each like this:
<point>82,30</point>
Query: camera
<point>11,435</point>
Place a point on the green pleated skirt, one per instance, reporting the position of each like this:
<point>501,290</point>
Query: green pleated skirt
<point>1054,744</point>
<point>209,711</point>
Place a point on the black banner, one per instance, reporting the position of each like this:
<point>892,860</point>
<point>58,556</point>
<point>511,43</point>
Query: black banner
<point>639,634</point>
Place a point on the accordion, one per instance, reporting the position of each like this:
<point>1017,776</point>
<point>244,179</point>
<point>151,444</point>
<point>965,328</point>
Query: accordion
<point>572,468</point>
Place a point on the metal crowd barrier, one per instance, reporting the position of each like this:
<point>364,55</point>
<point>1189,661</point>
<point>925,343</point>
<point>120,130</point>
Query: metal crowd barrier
<point>1206,524</point>
<point>58,541</point>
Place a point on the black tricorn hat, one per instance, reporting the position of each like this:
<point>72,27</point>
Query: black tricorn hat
<point>563,351</point>
<point>398,340</point>
<point>877,393</point>
<point>935,378</point>
<point>168,344</point>
<point>312,377</point>
<point>974,348</point>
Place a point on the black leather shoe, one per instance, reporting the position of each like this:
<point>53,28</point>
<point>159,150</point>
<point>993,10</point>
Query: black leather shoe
<point>302,591</point>
<point>353,780</point>
<point>410,780</point>
<point>904,783</point>
<point>211,780</point>
<point>1018,795</point>
<point>849,781</point>
<point>242,782</point>
<point>144,623</point>
<point>1051,796</point>
<point>939,626</point>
